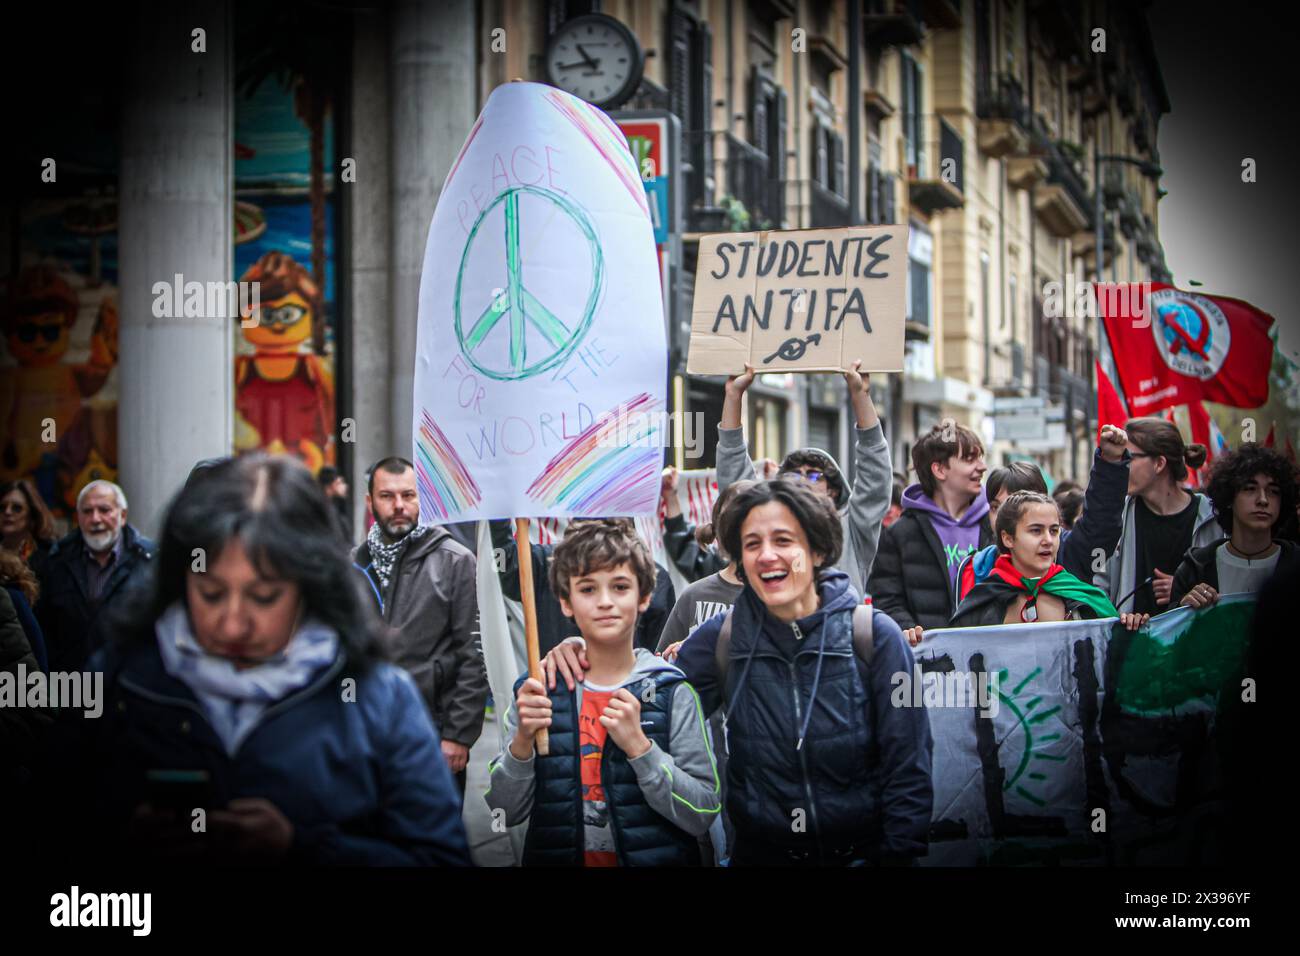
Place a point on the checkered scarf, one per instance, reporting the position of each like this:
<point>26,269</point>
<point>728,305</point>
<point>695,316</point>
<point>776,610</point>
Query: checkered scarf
<point>384,557</point>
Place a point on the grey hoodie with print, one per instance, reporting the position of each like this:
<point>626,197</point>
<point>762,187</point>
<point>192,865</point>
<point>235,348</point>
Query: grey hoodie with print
<point>681,785</point>
<point>868,500</point>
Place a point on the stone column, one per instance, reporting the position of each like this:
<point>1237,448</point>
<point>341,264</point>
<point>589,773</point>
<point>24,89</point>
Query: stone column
<point>432,103</point>
<point>176,378</point>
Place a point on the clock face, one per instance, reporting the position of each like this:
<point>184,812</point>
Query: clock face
<point>594,58</point>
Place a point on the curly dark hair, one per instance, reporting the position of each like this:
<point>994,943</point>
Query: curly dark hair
<point>600,544</point>
<point>815,514</point>
<point>279,513</point>
<point>1229,474</point>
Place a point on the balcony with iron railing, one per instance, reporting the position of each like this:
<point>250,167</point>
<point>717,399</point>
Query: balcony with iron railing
<point>893,23</point>
<point>827,208</point>
<point>1062,202</point>
<point>736,189</point>
<point>937,182</point>
<point>1003,116</point>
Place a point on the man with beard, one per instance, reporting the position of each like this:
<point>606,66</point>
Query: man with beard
<point>423,583</point>
<point>88,571</point>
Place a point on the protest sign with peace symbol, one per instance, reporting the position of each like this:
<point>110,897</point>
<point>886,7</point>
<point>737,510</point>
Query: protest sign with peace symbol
<point>559,333</point>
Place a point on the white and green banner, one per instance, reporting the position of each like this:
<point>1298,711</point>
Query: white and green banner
<point>1081,742</point>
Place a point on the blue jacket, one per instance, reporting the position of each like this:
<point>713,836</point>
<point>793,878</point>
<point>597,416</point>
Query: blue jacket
<point>641,836</point>
<point>362,780</point>
<point>813,736</point>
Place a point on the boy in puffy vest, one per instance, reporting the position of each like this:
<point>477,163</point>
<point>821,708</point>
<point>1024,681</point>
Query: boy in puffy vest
<point>629,779</point>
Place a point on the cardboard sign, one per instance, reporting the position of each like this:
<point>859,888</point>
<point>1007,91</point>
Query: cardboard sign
<point>800,301</point>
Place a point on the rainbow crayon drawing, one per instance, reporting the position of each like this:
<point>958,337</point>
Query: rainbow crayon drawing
<point>606,137</point>
<point>611,468</point>
<point>445,484</point>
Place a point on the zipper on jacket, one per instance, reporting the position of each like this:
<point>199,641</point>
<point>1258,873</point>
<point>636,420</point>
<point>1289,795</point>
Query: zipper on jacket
<point>803,756</point>
<point>609,807</point>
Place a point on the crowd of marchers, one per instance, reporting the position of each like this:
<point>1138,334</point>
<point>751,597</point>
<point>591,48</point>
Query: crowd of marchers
<point>274,694</point>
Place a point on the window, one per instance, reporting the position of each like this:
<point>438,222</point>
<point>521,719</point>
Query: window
<point>920,252</point>
<point>690,88</point>
<point>913,116</point>
<point>1010,310</point>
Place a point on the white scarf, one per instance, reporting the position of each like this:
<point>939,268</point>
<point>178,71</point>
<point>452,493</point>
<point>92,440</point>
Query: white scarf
<point>233,699</point>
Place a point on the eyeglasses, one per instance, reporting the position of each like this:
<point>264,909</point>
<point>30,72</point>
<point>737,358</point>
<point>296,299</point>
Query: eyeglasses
<point>13,508</point>
<point>809,474</point>
<point>1141,454</point>
<point>29,331</point>
<point>285,315</point>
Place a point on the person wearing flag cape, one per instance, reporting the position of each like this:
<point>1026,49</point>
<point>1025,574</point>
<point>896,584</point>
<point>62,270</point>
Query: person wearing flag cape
<point>1026,584</point>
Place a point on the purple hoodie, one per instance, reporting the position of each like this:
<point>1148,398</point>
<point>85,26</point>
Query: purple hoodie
<point>959,536</point>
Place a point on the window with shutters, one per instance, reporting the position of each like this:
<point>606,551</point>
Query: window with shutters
<point>875,210</point>
<point>913,116</point>
<point>690,86</point>
<point>761,20</point>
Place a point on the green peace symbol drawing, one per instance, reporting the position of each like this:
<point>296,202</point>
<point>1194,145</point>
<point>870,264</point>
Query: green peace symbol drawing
<point>521,305</point>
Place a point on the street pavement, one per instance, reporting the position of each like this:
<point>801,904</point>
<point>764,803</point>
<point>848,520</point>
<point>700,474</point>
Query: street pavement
<point>487,848</point>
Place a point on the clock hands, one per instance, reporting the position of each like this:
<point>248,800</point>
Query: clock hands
<point>594,64</point>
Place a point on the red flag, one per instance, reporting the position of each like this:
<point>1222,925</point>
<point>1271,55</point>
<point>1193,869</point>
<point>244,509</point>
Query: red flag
<point>1200,419</point>
<point>1110,407</point>
<point>1174,347</point>
<point>1290,450</point>
<point>1268,439</point>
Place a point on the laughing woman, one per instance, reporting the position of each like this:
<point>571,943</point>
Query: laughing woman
<point>247,685</point>
<point>823,770</point>
<point>1026,583</point>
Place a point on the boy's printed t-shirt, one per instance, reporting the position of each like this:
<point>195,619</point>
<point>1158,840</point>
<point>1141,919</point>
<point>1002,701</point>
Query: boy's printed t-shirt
<point>598,838</point>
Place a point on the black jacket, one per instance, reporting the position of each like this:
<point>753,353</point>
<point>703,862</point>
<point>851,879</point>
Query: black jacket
<point>73,625</point>
<point>553,625</point>
<point>909,580</point>
<point>431,609</point>
<point>691,560</point>
<point>1200,566</point>
<point>986,605</point>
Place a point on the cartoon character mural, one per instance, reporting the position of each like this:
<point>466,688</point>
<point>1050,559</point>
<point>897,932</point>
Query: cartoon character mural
<point>284,391</point>
<point>48,429</point>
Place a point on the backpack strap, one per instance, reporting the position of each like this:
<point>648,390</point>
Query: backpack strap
<point>864,643</point>
<point>722,653</point>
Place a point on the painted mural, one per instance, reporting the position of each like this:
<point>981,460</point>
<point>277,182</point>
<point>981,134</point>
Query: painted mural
<point>285,212</point>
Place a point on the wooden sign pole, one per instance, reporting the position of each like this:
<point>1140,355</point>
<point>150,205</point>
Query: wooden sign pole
<point>524,551</point>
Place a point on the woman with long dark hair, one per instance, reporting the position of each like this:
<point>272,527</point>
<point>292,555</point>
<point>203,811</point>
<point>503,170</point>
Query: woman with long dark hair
<point>26,525</point>
<point>246,684</point>
<point>1161,519</point>
<point>823,769</point>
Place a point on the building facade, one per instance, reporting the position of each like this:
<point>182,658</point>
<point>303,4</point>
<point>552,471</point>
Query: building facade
<point>973,123</point>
